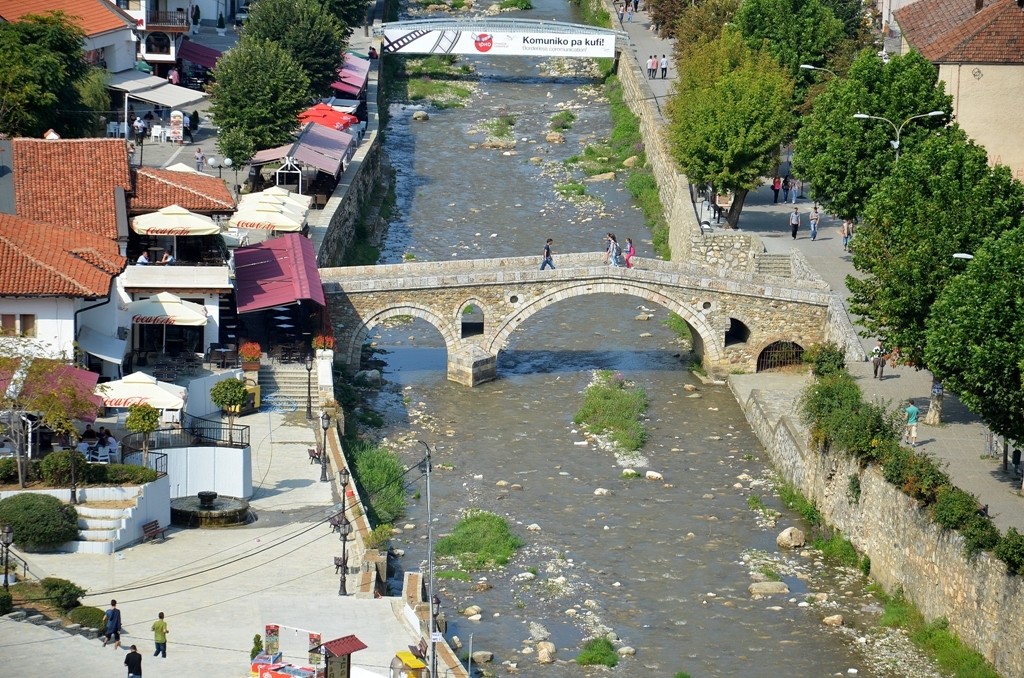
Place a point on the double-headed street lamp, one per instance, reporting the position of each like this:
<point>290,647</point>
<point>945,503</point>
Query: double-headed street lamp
<point>898,129</point>
<point>325,424</point>
<point>6,539</point>
<point>309,387</point>
<point>344,530</point>
<point>219,165</point>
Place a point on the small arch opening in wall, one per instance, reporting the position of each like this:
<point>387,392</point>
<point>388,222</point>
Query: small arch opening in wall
<point>780,355</point>
<point>736,332</point>
<point>472,321</point>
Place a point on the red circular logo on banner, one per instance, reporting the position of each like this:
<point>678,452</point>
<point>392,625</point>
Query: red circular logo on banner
<point>483,42</point>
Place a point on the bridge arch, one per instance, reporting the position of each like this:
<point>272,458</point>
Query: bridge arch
<point>705,341</point>
<point>352,350</point>
<point>467,322</point>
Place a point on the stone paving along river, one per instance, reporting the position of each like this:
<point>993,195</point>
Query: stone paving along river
<point>662,564</point>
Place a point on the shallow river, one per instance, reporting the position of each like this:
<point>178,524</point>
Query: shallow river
<point>659,563</point>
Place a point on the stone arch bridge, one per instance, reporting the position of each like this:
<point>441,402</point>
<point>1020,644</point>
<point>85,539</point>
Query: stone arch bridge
<point>733,316</point>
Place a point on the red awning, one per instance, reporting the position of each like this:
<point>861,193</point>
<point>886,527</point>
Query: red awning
<point>352,76</point>
<point>198,54</point>
<point>277,272</point>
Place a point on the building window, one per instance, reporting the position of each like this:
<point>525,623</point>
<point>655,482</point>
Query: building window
<point>158,43</point>
<point>14,325</point>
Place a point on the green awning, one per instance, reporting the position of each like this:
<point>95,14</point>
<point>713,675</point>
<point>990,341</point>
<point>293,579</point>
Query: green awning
<point>143,66</point>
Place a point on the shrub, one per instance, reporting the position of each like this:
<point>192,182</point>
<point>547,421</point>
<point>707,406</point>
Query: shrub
<point>825,359</point>
<point>8,470</point>
<point>980,534</point>
<point>1010,550</point>
<point>257,646</point>
<point>6,604</point>
<point>479,540</point>
<point>56,468</point>
<point>39,521</point>
<point>127,474</point>
<point>953,507</point>
<point>612,404</point>
<point>923,478</point>
<point>381,475</point>
<point>598,652</point>
<point>378,537</point>
<point>62,593</point>
<point>90,617</point>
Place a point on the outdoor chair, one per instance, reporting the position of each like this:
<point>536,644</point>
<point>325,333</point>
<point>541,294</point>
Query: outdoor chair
<point>157,133</point>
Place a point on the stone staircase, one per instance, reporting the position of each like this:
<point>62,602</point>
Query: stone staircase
<point>287,379</point>
<point>775,264</point>
<point>97,528</point>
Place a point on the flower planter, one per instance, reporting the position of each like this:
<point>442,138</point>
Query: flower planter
<point>250,367</point>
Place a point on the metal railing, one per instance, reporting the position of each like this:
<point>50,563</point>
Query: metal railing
<point>194,432</point>
<point>167,19</point>
<point>156,461</point>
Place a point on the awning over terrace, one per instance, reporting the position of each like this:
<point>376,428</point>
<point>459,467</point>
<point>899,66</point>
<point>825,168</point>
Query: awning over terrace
<point>317,146</point>
<point>277,272</point>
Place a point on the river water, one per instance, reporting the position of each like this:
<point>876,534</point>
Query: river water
<point>662,564</point>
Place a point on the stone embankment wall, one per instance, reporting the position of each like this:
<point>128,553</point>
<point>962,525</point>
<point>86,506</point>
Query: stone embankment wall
<point>907,549</point>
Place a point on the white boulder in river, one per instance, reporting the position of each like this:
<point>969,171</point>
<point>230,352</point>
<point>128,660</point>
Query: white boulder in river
<point>790,538</point>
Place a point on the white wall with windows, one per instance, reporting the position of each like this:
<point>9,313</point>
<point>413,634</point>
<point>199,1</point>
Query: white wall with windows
<point>45,323</point>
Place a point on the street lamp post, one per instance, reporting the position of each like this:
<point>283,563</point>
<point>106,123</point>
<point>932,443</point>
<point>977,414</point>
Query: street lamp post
<point>898,129</point>
<point>309,387</point>
<point>325,424</point>
<point>345,529</point>
<point>430,570</point>
<point>808,67</point>
<point>74,479</point>
<point>6,539</point>
<point>215,164</point>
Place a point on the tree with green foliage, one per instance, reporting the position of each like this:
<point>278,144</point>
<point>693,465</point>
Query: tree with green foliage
<point>229,395</point>
<point>730,111</point>
<point>974,332</point>
<point>940,199</point>
<point>43,64</point>
<point>793,31</point>
<point>234,144</point>
<point>308,31</point>
<point>143,418</point>
<point>263,108</point>
<point>686,22</point>
<point>351,13</point>
<point>845,158</point>
<point>851,15</point>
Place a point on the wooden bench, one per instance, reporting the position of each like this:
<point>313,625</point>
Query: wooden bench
<point>721,206</point>
<point>420,650</point>
<point>340,563</point>
<point>152,530</point>
<point>314,455</point>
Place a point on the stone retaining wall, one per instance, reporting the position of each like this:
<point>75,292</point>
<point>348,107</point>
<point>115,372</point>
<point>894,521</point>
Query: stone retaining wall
<point>907,549</point>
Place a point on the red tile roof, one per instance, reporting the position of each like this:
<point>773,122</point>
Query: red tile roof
<point>40,259</point>
<point>70,182</point>
<point>94,16</point>
<point>158,188</point>
<point>951,31</point>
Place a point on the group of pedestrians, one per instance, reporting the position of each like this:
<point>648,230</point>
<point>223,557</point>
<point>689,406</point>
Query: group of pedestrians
<point>133,660</point>
<point>789,186</point>
<point>614,253</point>
<point>627,9</point>
<point>814,219</point>
<point>654,63</point>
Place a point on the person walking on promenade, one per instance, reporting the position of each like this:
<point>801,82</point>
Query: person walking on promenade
<point>629,11</point>
<point>776,185</point>
<point>629,252</point>
<point>785,189</point>
<point>794,222</point>
<point>650,69</point>
<point>112,625</point>
<point>613,252</point>
<point>160,636</point>
<point>910,430</point>
<point>847,233</point>
<point>200,160</point>
<point>545,258</point>
<point>877,360</point>
<point>815,219</point>
<point>133,660</point>
<point>794,189</point>
<point>664,66</point>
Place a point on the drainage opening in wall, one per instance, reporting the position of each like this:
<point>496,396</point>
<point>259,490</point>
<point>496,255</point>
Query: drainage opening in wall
<point>513,299</point>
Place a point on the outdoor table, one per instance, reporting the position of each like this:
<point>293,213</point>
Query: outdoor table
<point>223,354</point>
<point>155,254</point>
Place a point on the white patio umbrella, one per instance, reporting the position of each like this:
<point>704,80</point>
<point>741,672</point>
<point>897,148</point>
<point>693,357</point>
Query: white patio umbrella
<point>264,217</point>
<point>138,388</point>
<point>257,199</point>
<point>166,309</point>
<point>303,200</point>
<point>181,167</point>
<point>174,220</point>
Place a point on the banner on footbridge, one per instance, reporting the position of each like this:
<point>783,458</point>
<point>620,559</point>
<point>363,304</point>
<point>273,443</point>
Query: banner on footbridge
<point>582,44</point>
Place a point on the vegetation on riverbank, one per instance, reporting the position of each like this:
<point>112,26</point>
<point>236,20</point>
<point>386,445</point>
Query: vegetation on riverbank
<point>381,476</point>
<point>436,80</point>
<point>598,652</point>
<point>480,540</point>
<point>562,120</point>
<point>500,128</point>
<point>616,406</point>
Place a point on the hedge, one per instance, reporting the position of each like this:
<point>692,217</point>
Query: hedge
<point>56,471</point>
<point>39,521</point>
<point>839,417</point>
<point>90,617</point>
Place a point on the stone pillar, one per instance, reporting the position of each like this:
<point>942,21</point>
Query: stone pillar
<point>325,375</point>
<point>472,365</point>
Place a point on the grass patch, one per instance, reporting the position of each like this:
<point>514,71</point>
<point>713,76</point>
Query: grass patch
<point>837,548</point>
<point>598,652</point>
<point>381,476</point>
<point>675,322</point>
<point>479,541</point>
<point>769,573</point>
<point>794,500</point>
<point>434,79</point>
<point>613,405</point>
<point>453,574</point>
<point>562,120</point>
<point>516,4</point>
<point>935,638</point>
<point>500,127</point>
<point>570,189</point>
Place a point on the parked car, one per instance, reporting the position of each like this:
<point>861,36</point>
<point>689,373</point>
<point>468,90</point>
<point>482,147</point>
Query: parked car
<point>242,14</point>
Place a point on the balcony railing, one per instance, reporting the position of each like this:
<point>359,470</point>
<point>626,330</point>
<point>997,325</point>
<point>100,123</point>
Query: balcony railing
<point>156,461</point>
<point>194,432</point>
<point>167,19</point>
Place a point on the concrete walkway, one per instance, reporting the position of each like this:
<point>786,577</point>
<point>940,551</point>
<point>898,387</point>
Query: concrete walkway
<point>961,441</point>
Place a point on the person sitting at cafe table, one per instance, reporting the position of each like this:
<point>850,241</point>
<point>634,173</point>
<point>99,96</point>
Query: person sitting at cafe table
<point>143,259</point>
<point>89,434</point>
<point>168,258</point>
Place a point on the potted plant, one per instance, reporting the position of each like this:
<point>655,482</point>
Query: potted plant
<point>323,342</point>
<point>220,24</point>
<point>250,353</point>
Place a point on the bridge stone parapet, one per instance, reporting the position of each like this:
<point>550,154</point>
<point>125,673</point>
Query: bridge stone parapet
<point>733,317</point>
